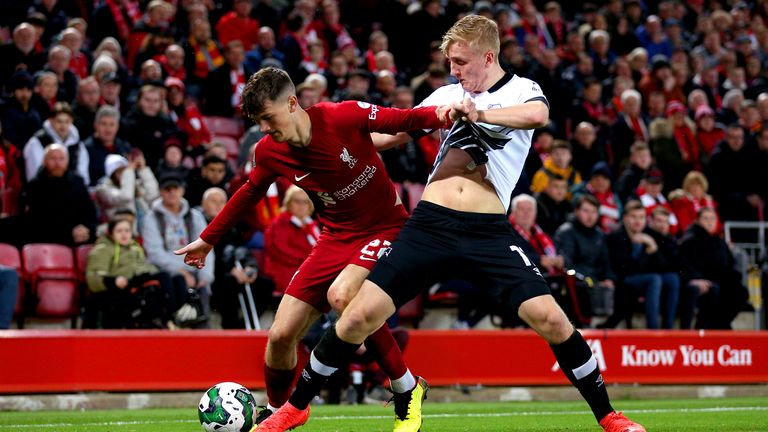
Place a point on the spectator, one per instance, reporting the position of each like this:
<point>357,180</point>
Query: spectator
<point>146,127</point>
<point>20,120</point>
<point>264,49</point>
<point>708,133</point>
<point>294,44</point>
<point>590,108</point>
<point>636,260</point>
<point>19,54</point>
<point>649,194</point>
<point>358,86</point>
<point>729,111</point>
<point>86,104</point>
<point>238,25</point>
<point>202,53</point>
<point>104,141</point>
<point>602,56</point>
<point>58,129</point>
<point>558,163</point>
<point>553,207</point>
<point>10,178</point>
<point>212,173</point>
<point>737,197</point>
<point>307,95</point>
<point>111,86</point>
<point>585,250</point>
<point>710,279</point>
<point>537,245</point>
<point>172,62</point>
<point>126,185</point>
<point>187,117</point>
<point>587,149</point>
<point>58,206</point>
<point>290,238</point>
<point>120,278</point>
<point>669,263</point>
<point>59,58</point>
<point>9,288</point>
<point>674,145</point>
<point>229,278</point>
<point>45,93</point>
<point>688,201</point>
<point>435,78</point>
<point>225,83</point>
<point>78,62</point>
<point>169,225</point>
<point>760,162</point>
<point>639,162</point>
<point>114,19</point>
<point>599,186</point>
<point>630,127</point>
<point>171,163</point>
<point>661,80</point>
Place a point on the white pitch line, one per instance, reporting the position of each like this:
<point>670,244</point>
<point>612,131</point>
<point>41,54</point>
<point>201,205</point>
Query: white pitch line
<point>445,415</point>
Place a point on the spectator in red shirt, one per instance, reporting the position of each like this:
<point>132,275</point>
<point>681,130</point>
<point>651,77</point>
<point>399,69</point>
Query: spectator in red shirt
<point>238,25</point>
<point>78,63</point>
<point>687,202</point>
<point>290,238</point>
<point>649,194</point>
<point>172,62</point>
<point>708,132</point>
<point>187,117</point>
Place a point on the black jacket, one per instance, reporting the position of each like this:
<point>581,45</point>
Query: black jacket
<point>706,256</point>
<point>218,91</point>
<point>149,134</point>
<point>584,250</point>
<point>97,154</point>
<point>624,263</point>
<point>550,215</point>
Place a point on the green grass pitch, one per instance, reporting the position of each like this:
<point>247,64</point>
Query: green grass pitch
<point>722,415</point>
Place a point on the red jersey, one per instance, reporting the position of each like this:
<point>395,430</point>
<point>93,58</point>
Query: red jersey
<point>340,169</point>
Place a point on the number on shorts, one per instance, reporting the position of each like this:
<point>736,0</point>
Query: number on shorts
<point>370,252</point>
<point>522,255</point>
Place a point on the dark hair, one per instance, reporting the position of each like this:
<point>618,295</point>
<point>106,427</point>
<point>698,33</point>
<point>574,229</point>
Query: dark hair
<point>633,205</point>
<point>213,160</point>
<point>561,144</point>
<point>704,210</point>
<point>660,209</point>
<point>587,199</point>
<point>638,146</point>
<point>268,84</point>
<point>116,220</point>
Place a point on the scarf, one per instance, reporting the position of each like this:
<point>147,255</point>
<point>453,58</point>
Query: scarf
<point>309,227</point>
<point>207,58</point>
<point>537,238</point>
<point>609,209</point>
<point>237,78</point>
<point>134,15</point>
<point>650,202</point>
<point>688,146</point>
<point>639,128</point>
<point>269,207</point>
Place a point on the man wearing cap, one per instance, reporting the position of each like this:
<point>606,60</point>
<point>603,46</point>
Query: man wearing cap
<point>111,85</point>
<point>599,186</point>
<point>19,120</point>
<point>169,225</point>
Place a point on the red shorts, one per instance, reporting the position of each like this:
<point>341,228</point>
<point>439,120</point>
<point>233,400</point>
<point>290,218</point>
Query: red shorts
<point>332,253</point>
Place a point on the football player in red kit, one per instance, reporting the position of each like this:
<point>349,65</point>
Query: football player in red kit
<point>327,151</point>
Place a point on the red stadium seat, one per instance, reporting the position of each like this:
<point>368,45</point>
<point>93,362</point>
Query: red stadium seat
<point>233,148</point>
<point>81,257</point>
<point>51,270</point>
<point>10,257</point>
<point>224,126</point>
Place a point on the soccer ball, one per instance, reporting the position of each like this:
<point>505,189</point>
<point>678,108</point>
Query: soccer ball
<point>227,407</point>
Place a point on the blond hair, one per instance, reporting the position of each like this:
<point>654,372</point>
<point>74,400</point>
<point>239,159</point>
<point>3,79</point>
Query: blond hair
<point>294,192</point>
<point>479,32</point>
<point>695,177</point>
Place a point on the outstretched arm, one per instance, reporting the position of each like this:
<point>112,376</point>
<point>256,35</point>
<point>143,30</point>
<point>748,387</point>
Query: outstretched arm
<point>529,115</point>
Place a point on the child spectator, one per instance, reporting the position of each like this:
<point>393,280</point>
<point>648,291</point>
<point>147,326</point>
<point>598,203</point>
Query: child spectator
<point>558,163</point>
<point>553,207</point>
<point>126,185</point>
<point>599,186</point>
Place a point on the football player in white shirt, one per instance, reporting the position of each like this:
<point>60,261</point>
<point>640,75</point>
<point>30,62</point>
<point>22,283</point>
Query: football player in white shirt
<point>460,230</point>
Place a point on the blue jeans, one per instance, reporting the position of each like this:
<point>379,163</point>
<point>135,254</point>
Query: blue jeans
<point>9,283</point>
<point>652,286</point>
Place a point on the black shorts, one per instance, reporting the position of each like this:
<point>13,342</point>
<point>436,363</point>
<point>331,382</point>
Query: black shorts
<point>438,243</point>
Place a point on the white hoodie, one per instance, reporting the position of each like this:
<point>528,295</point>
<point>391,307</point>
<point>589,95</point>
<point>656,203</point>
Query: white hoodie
<point>34,150</point>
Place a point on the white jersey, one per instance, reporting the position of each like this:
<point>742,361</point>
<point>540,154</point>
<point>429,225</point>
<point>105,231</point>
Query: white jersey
<point>505,161</point>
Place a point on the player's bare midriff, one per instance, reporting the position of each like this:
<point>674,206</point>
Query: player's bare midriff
<point>456,187</point>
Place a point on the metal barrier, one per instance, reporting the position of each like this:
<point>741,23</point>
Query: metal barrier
<point>748,256</point>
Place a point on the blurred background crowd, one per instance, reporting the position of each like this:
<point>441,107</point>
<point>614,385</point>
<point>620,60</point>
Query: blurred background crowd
<point>122,136</point>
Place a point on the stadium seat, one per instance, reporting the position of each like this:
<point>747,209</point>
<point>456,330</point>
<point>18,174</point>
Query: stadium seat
<point>224,126</point>
<point>51,270</point>
<point>413,311</point>
<point>81,259</point>
<point>10,257</point>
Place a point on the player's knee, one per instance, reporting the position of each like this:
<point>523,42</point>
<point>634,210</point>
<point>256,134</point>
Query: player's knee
<point>354,321</point>
<point>280,339</point>
<point>338,297</point>
<point>553,325</point>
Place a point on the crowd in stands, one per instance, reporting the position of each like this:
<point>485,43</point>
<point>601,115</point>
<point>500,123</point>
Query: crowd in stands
<point>658,134</point>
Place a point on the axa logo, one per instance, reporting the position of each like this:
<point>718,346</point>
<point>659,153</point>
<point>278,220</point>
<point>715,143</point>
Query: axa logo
<point>348,158</point>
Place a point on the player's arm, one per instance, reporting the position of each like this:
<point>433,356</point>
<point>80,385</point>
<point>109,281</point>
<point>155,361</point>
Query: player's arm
<point>249,194</point>
<point>384,141</point>
<point>529,115</point>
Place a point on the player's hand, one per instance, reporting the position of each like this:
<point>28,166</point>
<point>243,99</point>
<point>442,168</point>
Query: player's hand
<point>464,110</point>
<point>195,253</point>
<point>443,113</point>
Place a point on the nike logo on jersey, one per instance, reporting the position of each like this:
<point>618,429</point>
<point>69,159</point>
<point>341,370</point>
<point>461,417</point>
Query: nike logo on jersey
<point>367,259</point>
<point>302,177</point>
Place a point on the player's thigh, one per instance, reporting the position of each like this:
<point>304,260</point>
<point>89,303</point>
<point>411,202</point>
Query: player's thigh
<point>346,285</point>
<point>292,320</point>
<point>316,274</point>
<point>497,263</point>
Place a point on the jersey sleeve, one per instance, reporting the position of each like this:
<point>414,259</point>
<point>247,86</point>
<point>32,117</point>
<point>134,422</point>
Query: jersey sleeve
<point>248,195</point>
<point>374,118</point>
<point>530,91</point>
